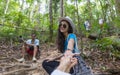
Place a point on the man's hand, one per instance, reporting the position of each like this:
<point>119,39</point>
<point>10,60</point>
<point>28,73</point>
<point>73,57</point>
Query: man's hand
<point>67,62</point>
<point>64,63</point>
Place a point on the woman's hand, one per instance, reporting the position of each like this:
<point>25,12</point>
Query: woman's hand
<point>66,63</point>
<point>68,53</point>
<point>65,60</point>
<point>72,64</point>
<point>73,61</point>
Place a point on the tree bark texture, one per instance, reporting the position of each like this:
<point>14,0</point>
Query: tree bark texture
<point>51,20</point>
<point>61,8</point>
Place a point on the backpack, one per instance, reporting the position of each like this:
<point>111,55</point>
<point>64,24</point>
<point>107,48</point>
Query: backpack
<point>81,68</point>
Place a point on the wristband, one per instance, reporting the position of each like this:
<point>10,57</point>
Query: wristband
<point>69,49</point>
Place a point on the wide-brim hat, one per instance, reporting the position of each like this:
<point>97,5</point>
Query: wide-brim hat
<point>69,20</point>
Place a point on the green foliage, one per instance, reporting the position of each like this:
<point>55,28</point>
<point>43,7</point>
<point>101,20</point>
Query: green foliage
<point>116,53</point>
<point>104,43</point>
<point>109,43</point>
<point>117,25</point>
<point>17,20</point>
<point>30,1</point>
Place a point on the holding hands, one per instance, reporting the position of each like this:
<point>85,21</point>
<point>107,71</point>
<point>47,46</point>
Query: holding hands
<point>67,62</point>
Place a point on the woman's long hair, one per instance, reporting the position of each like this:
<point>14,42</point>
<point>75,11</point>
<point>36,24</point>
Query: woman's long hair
<point>61,38</point>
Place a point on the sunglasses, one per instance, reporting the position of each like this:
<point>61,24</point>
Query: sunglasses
<point>63,25</point>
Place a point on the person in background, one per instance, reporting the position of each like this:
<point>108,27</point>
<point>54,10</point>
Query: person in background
<point>87,25</point>
<point>66,44</point>
<point>31,47</point>
<point>101,21</point>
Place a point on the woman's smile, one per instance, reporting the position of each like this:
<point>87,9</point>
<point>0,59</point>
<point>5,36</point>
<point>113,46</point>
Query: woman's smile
<point>64,26</point>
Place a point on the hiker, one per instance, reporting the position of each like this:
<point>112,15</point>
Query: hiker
<point>66,63</point>
<point>31,47</point>
<point>87,25</point>
<point>101,21</point>
<point>67,45</point>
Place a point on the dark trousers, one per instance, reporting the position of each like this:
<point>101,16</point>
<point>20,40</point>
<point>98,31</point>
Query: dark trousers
<point>51,66</point>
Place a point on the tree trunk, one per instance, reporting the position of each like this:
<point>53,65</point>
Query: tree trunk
<point>118,7</point>
<point>5,11</point>
<point>55,6</point>
<point>7,3</point>
<point>19,20</point>
<point>90,11</point>
<point>61,8</point>
<point>32,12</point>
<point>38,20</point>
<point>78,18</point>
<point>51,21</point>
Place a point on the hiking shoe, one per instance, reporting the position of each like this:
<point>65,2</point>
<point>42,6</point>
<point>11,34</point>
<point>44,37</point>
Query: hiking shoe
<point>21,60</point>
<point>34,59</point>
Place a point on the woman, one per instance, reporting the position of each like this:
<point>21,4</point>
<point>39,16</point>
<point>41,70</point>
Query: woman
<point>66,43</point>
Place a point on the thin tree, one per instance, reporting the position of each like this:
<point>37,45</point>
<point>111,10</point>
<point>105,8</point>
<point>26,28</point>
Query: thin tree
<point>51,20</point>
<point>117,3</point>
<point>5,10</point>
<point>89,11</point>
<point>78,19</point>
<point>7,3</point>
<point>61,8</point>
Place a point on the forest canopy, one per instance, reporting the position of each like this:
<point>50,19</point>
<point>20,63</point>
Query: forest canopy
<point>21,17</point>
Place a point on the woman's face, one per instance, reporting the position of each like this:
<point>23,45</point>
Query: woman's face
<point>64,27</point>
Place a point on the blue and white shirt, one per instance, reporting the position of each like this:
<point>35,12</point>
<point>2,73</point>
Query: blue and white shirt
<point>71,36</point>
<point>36,42</point>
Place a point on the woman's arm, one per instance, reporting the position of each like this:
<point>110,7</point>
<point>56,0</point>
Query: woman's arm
<point>70,44</point>
<point>70,48</point>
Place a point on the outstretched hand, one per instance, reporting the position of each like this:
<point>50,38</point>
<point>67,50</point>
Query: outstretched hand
<point>68,53</point>
<point>67,62</point>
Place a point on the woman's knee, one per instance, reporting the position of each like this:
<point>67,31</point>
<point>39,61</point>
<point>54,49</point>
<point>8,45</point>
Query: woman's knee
<point>44,63</point>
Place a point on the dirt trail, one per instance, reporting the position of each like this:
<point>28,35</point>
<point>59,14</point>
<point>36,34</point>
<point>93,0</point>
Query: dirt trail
<point>98,61</point>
